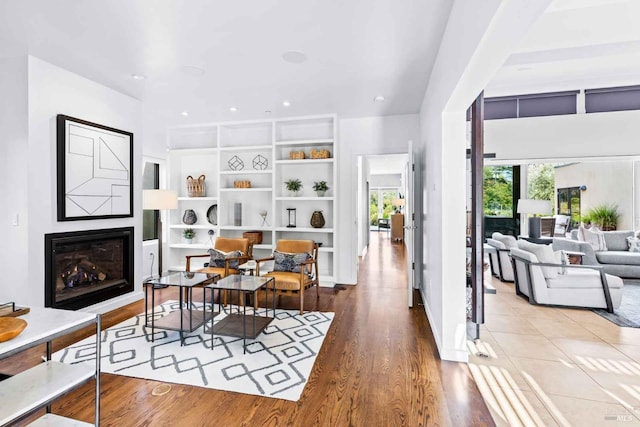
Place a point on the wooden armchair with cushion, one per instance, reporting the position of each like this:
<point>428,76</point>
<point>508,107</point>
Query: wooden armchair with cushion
<point>295,267</point>
<point>226,255</point>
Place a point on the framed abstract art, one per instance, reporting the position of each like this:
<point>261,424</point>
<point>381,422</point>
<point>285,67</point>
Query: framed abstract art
<point>95,170</point>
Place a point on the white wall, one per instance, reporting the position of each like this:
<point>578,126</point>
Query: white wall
<point>14,177</point>
<point>361,137</point>
<point>478,38</point>
<point>391,180</point>
<point>607,183</point>
<point>52,91</point>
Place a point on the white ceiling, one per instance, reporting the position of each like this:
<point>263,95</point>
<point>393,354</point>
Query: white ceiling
<point>356,50</point>
<point>576,44</point>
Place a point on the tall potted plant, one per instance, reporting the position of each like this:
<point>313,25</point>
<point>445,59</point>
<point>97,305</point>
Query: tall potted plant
<point>604,216</point>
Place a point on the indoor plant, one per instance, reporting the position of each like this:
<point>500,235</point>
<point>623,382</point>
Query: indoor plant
<point>189,234</point>
<point>320,187</point>
<point>604,216</point>
<point>294,186</point>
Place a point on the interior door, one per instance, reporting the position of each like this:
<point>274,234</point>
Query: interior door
<point>409,220</point>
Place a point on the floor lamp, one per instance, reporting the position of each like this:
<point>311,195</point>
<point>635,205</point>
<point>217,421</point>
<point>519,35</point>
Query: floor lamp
<point>535,207</point>
<point>159,200</point>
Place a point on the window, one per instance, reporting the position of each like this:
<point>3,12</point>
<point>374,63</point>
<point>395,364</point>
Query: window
<point>150,181</point>
<point>501,193</point>
<point>536,105</point>
<point>569,204</point>
<point>612,99</point>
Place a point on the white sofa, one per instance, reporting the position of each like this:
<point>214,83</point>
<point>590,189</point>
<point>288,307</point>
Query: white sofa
<point>501,266</point>
<point>572,285</point>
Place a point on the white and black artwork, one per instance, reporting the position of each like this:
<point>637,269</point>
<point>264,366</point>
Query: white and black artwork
<point>95,168</point>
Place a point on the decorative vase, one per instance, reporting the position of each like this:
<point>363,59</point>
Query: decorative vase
<point>320,193</point>
<point>189,217</point>
<point>293,193</point>
<point>189,241</point>
<point>237,214</point>
<point>317,219</point>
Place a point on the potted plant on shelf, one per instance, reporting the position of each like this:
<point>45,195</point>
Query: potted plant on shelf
<point>320,187</point>
<point>189,234</point>
<point>294,186</point>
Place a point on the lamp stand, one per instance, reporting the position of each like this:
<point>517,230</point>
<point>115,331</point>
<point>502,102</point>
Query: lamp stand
<point>159,245</point>
<point>535,227</point>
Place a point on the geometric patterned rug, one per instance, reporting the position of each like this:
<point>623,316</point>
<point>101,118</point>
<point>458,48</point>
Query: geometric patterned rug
<point>277,364</point>
<point>628,314</point>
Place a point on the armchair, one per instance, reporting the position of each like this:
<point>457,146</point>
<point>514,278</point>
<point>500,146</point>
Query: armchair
<point>226,244</point>
<point>500,262</point>
<point>579,286</point>
<point>291,282</point>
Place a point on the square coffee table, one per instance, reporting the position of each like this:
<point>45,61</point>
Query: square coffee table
<point>185,319</point>
<point>238,323</point>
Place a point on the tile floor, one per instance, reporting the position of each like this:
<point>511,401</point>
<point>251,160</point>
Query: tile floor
<point>555,366</point>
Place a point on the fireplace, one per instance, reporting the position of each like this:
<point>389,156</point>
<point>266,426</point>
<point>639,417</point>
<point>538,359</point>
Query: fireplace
<point>87,267</point>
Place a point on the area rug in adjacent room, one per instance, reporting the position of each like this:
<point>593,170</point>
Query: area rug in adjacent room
<point>628,314</point>
<point>277,364</point>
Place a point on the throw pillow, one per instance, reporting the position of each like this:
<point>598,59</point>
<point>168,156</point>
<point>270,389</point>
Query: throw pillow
<point>634,244</point>
<point>509,242</point>
<point>545,255</point>
<point>593,236</point>
<point>284,261</point>
<point>218,258</point>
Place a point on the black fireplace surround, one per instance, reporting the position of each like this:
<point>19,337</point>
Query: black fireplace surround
<point>83,268</point>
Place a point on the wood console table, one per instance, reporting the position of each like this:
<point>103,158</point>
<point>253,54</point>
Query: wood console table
<point>397,224</point>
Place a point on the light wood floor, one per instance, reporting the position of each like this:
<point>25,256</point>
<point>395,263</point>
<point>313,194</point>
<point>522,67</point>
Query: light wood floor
<point>378,366</point>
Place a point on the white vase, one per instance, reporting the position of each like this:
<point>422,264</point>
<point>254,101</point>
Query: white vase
<point>320,193</point>
<point>189,241</point>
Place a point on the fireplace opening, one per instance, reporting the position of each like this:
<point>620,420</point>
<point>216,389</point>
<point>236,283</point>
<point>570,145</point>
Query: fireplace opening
<point>87,267</point>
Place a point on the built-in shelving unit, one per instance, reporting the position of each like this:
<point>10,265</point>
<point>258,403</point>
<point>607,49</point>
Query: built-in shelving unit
<point>259,152</point>
<point>33,389</point>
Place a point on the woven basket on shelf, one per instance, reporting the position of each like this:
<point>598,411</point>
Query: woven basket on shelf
<point>242,183</point>
<point>320,154</point>
<point>296,155</point>
<point>255,237</point>
<point>195,187</point>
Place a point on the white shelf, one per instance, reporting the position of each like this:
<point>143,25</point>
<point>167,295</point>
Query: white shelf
<point>305,229</point>
<point>306,198</point>
<point>325,249</point>
<point>53,420</point>
<point>231,190</point>
<point>307,142</point>
<point>194,226</point>
<point>195,150</point>
<point>246,148</point>
<point>245,228</point>
<point>247,172</point>
<point>37,386</point>
<point>210,199</point>
<point>204,246</point>
<point>304,161</point>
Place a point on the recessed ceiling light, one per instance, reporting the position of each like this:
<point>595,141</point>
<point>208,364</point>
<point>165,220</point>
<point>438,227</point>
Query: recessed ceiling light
<point>233,109</point>
<point>294,57</point>
<point>525,68</point>
<point>267,111</point>
<point>185,113</point>
<point>193,71</point>
<point>378,98</point>
<point>138,76</point>
<point>286,103</point>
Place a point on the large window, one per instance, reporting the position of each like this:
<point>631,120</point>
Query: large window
<point>380,204</point>
<point>535,105</point>
<point>150,181</point>
<point>569,204</point>
<point>612,99</point>
<point>501,194</point>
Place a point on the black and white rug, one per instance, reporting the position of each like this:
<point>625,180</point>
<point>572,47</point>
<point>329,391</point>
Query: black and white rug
<point>628,314</point>
<point>277,364</point>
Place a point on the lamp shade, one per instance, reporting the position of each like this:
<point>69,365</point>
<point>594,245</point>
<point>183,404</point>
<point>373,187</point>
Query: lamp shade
<point>531,206</point>
<point>159,199</point>
<point>398,202</point>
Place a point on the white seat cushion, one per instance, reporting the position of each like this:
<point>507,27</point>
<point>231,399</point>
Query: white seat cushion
<point>582,278</point>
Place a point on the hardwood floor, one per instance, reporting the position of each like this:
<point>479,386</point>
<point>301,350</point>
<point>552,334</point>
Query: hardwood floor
<point>378,366</point>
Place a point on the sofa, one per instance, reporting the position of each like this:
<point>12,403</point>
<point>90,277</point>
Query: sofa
<point>615,260</point>
<point>501,266</point>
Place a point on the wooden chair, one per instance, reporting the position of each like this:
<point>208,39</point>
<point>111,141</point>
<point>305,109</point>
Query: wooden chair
<point>226,244</point>
<point>289,282</point>
<point>547,226</point>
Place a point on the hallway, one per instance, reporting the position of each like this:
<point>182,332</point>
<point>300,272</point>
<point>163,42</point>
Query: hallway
<point>378,367</point>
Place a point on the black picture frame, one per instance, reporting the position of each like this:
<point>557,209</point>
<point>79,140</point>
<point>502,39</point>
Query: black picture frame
<point>94,170</point>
